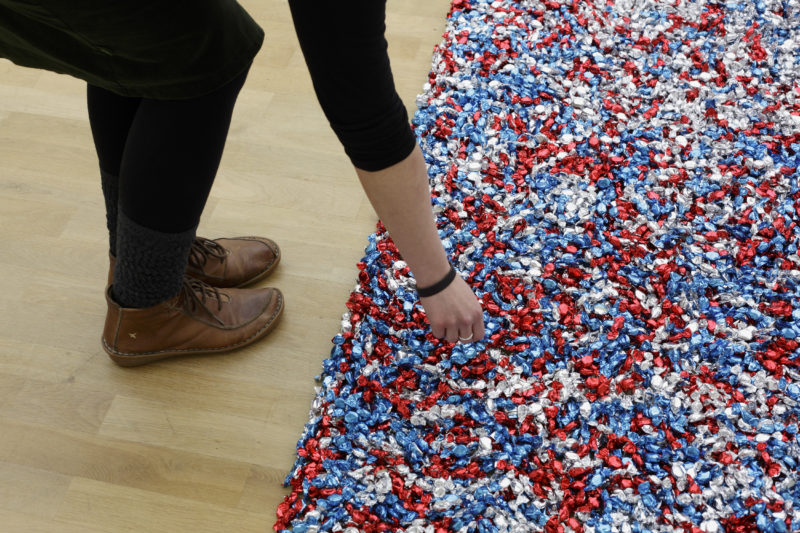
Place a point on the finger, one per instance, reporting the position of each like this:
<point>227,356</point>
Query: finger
<point>452,334</point>
<point>478,329</point>
<point>438,331</point>
<point>465,334</point>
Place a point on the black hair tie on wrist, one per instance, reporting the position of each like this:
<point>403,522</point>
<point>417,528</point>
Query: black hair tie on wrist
<point>438,287</point>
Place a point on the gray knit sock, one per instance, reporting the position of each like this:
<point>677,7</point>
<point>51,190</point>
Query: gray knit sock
<point>110,185</point>
<point>150,264</point>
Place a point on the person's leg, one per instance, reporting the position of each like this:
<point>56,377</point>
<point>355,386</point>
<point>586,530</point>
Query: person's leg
<point>171,156</point>
<point>110,117</point>
<point>221,263</point>
<point>168,165</point>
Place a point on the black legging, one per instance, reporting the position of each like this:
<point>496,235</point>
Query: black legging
<point>345,50</point>
<point>165,152</point>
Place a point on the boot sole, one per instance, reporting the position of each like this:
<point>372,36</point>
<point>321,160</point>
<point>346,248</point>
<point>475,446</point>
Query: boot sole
<point>129,360</point>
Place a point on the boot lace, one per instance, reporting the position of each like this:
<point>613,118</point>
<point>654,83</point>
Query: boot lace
<point>194,295</point>
<point>202,249</point>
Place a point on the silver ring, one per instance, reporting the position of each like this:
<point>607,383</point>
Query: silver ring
<point>462,339</point>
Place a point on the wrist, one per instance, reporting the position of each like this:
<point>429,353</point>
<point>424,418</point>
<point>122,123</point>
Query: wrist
<point>428,265</point>
<point>431,290</point>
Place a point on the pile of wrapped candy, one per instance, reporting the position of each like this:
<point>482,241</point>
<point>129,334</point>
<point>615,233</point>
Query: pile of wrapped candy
<point>618,181</point>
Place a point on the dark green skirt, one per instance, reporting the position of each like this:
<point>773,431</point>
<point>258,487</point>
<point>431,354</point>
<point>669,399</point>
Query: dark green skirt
<point>165,49</point>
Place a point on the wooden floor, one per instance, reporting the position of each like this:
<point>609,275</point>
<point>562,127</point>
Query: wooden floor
<point>200,444</point>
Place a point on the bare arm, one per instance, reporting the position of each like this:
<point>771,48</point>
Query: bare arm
<point>359,99</point>
<point>401,196</point>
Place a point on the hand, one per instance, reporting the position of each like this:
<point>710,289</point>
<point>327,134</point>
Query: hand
<point>401,196</point>
<point>455,314</point>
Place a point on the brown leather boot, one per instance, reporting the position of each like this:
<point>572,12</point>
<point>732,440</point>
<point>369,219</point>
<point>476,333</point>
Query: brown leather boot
<point>200,319</point>
<point>233,262</point>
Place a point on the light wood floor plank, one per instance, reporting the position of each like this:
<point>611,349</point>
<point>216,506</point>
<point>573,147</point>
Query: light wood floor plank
<point>263,485</point>
<point>33,523</point>
<point>238,438</point>
<point>9,387</point>
<point>181,473</point>
<point>30,490</point>
<point>27,358</point>
<point>64,405</point>
<point>96,505</point>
